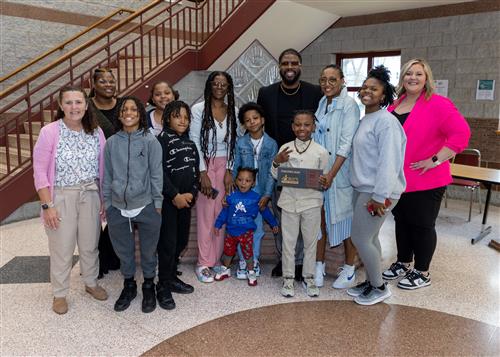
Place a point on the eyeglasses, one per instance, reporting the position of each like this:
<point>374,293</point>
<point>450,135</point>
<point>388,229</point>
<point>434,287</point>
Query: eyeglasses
<point>331,81</point>
<point>290,64</point>
<point>219,85</point>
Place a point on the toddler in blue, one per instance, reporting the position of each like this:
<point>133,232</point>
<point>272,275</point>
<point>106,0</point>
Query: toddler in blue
<point>239,212</point>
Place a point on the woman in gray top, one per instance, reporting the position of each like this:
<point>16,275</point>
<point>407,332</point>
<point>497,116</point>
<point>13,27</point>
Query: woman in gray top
<point>377,178</point>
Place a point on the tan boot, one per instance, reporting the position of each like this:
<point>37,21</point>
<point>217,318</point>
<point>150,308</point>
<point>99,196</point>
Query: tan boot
<point>59,305</point>
<point>97,292</point>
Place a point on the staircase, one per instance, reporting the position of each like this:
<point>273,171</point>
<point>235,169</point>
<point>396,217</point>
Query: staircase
<point>163,40</point>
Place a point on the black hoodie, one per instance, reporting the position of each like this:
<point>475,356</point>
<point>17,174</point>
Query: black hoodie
<point>180,164</point>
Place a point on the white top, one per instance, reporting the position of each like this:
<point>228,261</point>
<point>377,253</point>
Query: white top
<point>220,146</point>
<point>156,128</point>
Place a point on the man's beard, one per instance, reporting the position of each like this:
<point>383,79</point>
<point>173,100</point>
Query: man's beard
<point>292,81</point>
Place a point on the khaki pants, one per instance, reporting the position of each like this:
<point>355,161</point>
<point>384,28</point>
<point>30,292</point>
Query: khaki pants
<point>78,206</point>
<point>308,223</point>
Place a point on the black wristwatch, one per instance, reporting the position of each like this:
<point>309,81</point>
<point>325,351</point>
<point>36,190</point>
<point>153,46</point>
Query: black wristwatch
<point>47,205</point>
<point>436,161</point>
<point>275,164</point>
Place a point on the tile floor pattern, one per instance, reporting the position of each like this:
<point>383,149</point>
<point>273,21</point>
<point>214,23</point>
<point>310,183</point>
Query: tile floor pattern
<point>458,311</point>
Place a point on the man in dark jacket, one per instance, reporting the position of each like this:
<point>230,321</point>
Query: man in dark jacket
<point>280,100</point>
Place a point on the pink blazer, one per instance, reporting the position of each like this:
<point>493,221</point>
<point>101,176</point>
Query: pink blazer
<point>44,157</point>
<point>432,124</point>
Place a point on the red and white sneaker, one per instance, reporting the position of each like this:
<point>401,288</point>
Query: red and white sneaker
<point>224,273</point>
<point>252,278</point>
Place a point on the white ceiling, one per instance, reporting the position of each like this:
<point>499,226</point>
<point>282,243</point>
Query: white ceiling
<point>345,8</point>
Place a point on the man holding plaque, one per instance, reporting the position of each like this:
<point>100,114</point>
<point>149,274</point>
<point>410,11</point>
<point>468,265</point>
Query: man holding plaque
<point>300,201</point>
<point>280,100</point>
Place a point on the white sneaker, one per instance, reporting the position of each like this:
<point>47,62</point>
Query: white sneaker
<point>252,278</point>
<point>319,274</point>
<point>256,267</point>
<point>241,273</point>
<point>204,274</point>
<point>311,288</point>
<point>224,273</point>
<point>346,279</point>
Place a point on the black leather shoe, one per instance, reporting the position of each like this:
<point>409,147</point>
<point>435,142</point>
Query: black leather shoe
<point>298,272</point>
<point>128,294</point>
<point>148,296</point>
<point>164,296</point>
<point>179,287</point>
<point>277,270</point>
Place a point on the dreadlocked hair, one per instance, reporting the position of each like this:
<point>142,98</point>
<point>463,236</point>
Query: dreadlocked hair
<point>208,129</point>
<point>382,74</point>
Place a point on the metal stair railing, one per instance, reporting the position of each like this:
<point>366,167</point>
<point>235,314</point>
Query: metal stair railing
<point>135,47</point>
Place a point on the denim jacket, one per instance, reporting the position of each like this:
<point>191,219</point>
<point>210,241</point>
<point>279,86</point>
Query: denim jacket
<point>244,158</point>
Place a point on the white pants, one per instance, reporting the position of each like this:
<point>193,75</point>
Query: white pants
<point>308,222</point>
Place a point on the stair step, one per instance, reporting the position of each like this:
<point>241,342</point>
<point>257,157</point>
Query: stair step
<point>24,139</point>
<point>36,126</point>
<point>3,170</point>
<point>13,155</point>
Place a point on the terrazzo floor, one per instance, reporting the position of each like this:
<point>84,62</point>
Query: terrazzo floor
<point>459,314</point>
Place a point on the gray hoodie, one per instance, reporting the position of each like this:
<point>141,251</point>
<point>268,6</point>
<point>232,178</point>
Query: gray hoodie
<point>133,173</point>
<point>378,152</point>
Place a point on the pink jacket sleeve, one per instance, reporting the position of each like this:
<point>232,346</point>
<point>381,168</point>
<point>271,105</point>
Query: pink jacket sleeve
<point>42,157</point>
<point>453,126</point>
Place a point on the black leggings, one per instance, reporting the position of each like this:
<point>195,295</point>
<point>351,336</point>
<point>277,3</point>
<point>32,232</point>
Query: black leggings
<point>415,216</point>
<point>174,236</point>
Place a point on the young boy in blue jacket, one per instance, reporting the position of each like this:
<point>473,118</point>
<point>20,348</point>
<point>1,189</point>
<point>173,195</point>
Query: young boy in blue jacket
<point>255,149</point>
<point>242,206</point>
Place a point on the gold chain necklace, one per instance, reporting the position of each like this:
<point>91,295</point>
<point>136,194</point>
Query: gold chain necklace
<point>286,93</point>
<point>303,151</point>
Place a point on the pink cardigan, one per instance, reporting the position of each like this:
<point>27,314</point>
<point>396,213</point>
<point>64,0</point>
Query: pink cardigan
<point>44,157</point>
<point>432,124</point>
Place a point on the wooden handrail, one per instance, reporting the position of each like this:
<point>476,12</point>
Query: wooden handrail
<point>65,43</point>
<point>68,55</point>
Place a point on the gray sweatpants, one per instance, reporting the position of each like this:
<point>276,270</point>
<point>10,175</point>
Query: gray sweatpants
<point>365,229</point>
<point>122,237</point>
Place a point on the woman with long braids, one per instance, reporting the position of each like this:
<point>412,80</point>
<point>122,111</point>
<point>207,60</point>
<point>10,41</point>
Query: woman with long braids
<point>214,129</point>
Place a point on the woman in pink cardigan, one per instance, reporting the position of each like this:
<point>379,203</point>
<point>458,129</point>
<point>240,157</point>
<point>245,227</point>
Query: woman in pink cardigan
<point>68,167</point>
<point>435,132</point>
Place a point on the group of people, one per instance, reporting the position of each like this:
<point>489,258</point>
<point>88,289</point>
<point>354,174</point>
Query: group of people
<point>108,159</point>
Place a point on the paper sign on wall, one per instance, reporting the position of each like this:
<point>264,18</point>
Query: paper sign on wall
<point>441,87</point>
<point>485,89</point>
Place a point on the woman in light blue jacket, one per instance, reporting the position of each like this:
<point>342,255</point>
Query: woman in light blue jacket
<point>338,120</point>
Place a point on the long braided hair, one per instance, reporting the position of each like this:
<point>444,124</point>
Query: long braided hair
<point>208,129</point>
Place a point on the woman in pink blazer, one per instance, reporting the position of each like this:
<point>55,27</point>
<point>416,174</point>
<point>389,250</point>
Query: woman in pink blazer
<point>435,131</point>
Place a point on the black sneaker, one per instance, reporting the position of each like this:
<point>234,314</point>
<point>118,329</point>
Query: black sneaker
<point>395,271</point>
<point>164,296</point>
<point>128,294</point>
<point>148,296</point>
<point>179,287</point>
<point>414,280</point>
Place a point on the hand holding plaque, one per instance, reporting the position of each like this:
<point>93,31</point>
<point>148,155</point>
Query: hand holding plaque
<point>299,178</point>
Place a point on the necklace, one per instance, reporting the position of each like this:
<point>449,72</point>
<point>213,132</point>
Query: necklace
<point>256,147</point>
<point>286,93</point>
<point>303,151</point>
